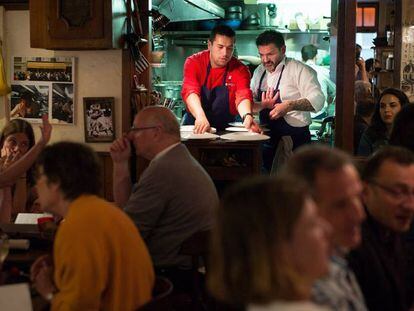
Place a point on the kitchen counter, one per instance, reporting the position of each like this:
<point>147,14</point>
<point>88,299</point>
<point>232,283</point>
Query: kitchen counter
<point>227,160</point>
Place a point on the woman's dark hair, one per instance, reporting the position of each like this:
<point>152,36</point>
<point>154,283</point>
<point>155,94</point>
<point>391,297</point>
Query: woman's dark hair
<point>16,126</point>
<point>75,167</point>
<point>402,133</point>
<point>377,124</point>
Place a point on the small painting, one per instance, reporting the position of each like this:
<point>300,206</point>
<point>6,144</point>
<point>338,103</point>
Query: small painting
<point>99,119</point>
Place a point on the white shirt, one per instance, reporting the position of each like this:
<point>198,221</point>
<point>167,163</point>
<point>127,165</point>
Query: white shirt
<point>298,81</point>
<point>327,86</point>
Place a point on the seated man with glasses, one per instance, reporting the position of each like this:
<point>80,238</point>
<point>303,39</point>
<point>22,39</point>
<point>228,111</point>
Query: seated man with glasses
<point>381,262</point>
<point>174,197</point>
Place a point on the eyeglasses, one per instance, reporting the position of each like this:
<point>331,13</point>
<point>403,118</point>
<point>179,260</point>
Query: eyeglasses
<point>138,129</point>
<point>398,194</point>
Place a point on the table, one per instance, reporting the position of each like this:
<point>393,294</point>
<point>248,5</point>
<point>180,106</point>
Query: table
<point>227,160</point>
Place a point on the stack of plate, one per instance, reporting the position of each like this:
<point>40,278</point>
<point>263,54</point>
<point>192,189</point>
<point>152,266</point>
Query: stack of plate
<point>187,132</point>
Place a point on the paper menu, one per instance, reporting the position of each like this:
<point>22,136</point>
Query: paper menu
<point>30,218</point>
<point>15,297</point>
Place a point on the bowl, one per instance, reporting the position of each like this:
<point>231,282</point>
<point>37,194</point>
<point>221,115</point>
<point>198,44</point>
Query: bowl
<point>232,23</point>
<point>234,9</point>
<point>157,56</point>
<point>234,15</point>
<point>208,24</point>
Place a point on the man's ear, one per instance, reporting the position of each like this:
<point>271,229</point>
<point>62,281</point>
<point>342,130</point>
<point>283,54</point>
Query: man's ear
<point>283,49</point>
<point>209,44</point>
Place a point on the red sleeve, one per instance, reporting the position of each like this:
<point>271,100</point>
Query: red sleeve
<point>194,70</point>
<point>239,85</point>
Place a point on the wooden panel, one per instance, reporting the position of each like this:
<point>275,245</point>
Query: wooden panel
<point>76,19</point>
<point>53,24</point>
<point>106,175</point>
<point>344,120</point>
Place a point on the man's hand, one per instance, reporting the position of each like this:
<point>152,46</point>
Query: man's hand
<point>279,110</point>
<point>361,64</point>
<point>201,125</point>
<point>268,99</point>
<point>120,150</point>
<point>251,125</point>
<point>46,130</point>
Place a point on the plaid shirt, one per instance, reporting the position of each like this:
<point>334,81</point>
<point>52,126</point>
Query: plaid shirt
<point>339,290</point>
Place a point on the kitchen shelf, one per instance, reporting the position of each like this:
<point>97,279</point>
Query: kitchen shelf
<point>241,32</point>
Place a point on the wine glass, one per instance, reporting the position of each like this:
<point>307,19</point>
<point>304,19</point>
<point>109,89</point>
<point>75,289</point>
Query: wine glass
<point>4,247</point>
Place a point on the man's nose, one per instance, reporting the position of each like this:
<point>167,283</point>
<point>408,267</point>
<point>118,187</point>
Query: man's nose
<point>356,211</point>
<point>408,202</point>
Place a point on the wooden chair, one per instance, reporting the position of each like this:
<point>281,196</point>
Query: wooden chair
<point>161,296</point>
<point>197,246</point>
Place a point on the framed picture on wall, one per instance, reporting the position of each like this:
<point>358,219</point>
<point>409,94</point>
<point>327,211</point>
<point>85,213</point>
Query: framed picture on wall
<point>99,116</point>
<point>43,85</point>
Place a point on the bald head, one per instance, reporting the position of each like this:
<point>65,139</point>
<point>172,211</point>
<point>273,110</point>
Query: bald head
<point>160,116</point>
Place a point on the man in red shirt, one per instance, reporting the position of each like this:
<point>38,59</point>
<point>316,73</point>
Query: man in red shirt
<point>216,86</point>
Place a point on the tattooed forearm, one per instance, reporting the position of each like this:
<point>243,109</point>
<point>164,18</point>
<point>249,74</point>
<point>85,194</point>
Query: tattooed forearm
<point>301,104</point>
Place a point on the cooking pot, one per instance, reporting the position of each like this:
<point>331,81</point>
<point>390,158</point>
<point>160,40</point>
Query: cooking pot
<point>267,13</point>
<point>169,89</point>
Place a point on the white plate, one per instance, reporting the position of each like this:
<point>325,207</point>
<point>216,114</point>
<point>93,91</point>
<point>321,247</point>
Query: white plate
<point>191,135</point>
<point>236,129</point>
<point>243,136</point>
<point>238,124</point>
<point>190,128</point>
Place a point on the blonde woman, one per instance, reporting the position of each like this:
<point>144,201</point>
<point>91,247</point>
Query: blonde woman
<point>268,246</point>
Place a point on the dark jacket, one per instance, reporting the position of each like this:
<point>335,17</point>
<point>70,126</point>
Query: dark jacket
<point>380,266</point>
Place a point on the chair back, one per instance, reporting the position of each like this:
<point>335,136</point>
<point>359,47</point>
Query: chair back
<point>197,246</point>
<point>160,296</point>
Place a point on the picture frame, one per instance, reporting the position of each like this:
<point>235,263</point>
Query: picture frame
<point>43,85</point>
<point>99,118</point>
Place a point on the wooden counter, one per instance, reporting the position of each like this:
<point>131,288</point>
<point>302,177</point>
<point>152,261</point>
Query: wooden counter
<point>227,160</point>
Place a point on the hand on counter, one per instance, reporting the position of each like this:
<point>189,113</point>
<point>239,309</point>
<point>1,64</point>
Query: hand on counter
<point>201,125</point>
<point>120,150</point>
<point>251,125</point>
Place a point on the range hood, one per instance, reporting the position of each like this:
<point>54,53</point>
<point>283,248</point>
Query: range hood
<point>188,10</point>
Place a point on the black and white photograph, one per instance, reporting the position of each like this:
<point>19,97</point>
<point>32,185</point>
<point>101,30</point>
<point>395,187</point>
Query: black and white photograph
<point>58,69</point>
<point>43,85</point>
<point>99,119</point>
<point>62,103</point>
<point>29,101</point>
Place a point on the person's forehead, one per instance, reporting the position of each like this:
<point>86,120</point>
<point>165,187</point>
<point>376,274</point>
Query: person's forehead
<point>342,181</point>
<point>223,40</point>
<point>268,47</point>
<point>394,172</point>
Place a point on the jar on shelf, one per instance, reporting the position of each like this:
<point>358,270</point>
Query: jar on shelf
<point>389,64</point>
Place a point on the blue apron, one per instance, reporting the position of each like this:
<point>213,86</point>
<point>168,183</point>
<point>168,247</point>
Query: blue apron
<point>215,103</point>
<point>278,128</point>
